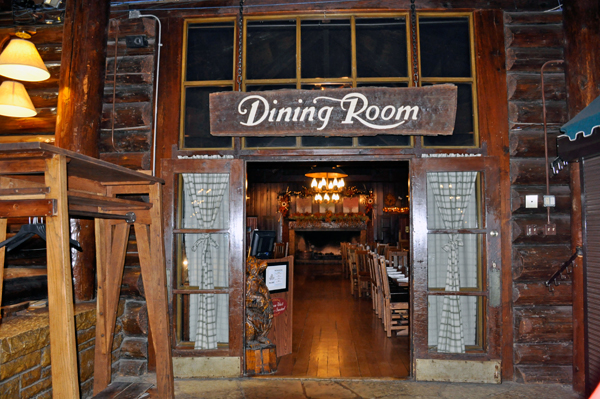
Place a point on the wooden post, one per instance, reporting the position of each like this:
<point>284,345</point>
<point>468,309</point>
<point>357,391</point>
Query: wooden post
<point>582,73</point>
<point>79,112</point>
<point>63,351</point>
<point>151,252</point>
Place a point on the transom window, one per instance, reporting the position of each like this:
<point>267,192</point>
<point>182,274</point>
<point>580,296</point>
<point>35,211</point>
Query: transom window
<point>312,53</point>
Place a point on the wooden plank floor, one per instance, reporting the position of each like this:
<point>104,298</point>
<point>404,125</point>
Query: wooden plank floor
<point>338,335</point>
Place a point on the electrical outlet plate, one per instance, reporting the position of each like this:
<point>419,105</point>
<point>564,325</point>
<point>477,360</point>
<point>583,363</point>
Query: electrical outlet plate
<point>531,201</point>
<point>549,201</point>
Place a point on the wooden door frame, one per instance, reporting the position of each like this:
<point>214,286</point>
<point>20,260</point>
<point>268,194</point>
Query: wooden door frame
<point>171,168</point>
<point>492,253</point>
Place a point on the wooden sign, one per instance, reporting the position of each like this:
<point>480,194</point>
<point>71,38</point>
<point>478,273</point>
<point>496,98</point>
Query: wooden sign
<point>429,110</point>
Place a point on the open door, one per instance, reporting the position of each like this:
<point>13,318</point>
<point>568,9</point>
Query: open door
<point>456,305</point>
<point>206,258</point>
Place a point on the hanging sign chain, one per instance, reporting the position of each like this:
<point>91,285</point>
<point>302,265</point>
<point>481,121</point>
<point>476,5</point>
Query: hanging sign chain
<point>413,23</point>
<point>240,45</point>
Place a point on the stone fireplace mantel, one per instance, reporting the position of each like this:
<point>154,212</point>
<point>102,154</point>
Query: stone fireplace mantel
<point>321,225</point>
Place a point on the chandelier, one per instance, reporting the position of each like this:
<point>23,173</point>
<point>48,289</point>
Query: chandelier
<point>327,183</point>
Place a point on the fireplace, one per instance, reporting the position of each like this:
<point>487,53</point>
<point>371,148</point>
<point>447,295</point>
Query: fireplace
<point>320,242</point>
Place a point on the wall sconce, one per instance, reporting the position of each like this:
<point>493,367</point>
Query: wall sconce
<point>20,60</point>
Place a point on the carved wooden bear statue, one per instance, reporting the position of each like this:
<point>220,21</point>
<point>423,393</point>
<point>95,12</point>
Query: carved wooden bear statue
<point>259,307</point>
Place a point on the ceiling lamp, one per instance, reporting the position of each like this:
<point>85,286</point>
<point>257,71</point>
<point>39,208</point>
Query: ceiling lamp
<point>327,182</point>
<point>20,60</point>
<point>14,100</point>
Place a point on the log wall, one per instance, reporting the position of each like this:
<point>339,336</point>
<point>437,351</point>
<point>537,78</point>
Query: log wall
<point>543,331</point>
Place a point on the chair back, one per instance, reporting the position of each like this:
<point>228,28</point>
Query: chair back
<point>385,284</point>
<point>351,251</point>
<point>280,250</point>
<point>373,266</point>
<point>361,261</point>
<point>382,249</point>
<point>398,259</point>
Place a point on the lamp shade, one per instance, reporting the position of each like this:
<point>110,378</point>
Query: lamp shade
<point>20,60</point>
<point>326,172</point>
<point>14,100</point>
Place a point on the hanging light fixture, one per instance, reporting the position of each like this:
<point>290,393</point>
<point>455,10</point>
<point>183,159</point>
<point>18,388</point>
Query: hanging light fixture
<point>328,181</point>
<point>20,60</point>
<point>14,100</point>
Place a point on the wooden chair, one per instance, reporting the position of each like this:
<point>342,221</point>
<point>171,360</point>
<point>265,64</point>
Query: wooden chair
<point>280,250</point>
<point>382,249</point>
<point>352,267</point>
<point>363,272</point>
<point>398,259</point>
<point>395,307</point>
<point>375,281</point>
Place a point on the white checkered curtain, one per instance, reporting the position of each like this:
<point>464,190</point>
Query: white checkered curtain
<point>452,259</point>
<point>206,206</point>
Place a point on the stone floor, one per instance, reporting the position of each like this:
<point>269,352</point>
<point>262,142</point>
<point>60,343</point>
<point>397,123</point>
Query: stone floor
<point>304,388</point>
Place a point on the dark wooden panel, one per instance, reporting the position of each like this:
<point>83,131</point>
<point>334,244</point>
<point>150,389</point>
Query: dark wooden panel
<point>130,64</point>
<point>128,94</point>
<point>536,293</point>
<point>551,354</point>
<point>523,87</point>
<point>544,374</point>
<point>532,171</point>
<point>44,122</point>
<point>534,36</point>
<point>543,324</point>
<point>538,263</point>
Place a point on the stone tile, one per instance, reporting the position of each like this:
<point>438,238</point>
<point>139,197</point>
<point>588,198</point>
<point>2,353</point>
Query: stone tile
<point>209,389</point>
<point>45,356</point>
<point>270,388</point>
<point>328,389</point>
<point>86,364</point>
<point>36,388</point>
<point>375,388</point>
<point>86,335</point>
<point>458,391</point>
<point>31,376</point>
<point>10,389</point>
<point>19,365</point>
<point>26,342</point>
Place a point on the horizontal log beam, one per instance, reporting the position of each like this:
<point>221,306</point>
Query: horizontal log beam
<point>562,195</point>
<point>528,87</point>
<point>534,36</point>
<point>520,223</point>
<point>132,160</point>
<point>530,112</point>
<point>532,172</point>
<point>538,263</point>
<point>544,374</point>
<point>532,18</point>
<point>550,354</point>
<point>532,59</point>
<point>543,324</point>
<point>538,294</point>
<point>530,143</point>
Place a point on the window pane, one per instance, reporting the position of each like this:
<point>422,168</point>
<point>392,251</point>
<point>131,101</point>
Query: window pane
<point>205,201</point>
<point>204,319</point>
<point>445,47</point>
<point>204,261</point>
<point>210,52</point>
<point>453,261</point>
<point>265,142</point>
<point>381,47</point>
<point>271,50</point>
<point>326,49</point>
<point>450,317</point>
<point>452,200</point>
<point>463,127</point>
<point>197,120</point>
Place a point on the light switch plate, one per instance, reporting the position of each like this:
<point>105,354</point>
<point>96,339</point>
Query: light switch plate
<point>531,201</point>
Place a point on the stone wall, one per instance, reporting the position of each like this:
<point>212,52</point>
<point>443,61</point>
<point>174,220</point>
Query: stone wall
<point>25,369</point>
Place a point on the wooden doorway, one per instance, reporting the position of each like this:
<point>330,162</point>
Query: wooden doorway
<point>335,334</point>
